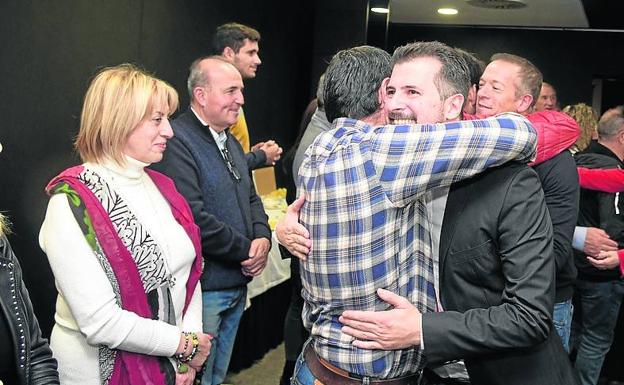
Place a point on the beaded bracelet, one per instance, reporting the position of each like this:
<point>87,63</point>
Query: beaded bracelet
<point>183,360</point>
<point>195,341</point>
<point>180,356</point>
<point>182,367</point>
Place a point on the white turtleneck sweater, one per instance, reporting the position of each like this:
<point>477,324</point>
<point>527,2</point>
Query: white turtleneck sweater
<point>86,312</point>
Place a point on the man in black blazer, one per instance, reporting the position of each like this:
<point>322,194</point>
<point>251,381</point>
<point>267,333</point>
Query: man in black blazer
<point>497,282</point>
<point>512,83</point>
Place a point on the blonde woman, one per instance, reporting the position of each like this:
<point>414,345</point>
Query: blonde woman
<point>123,246</point>
<point>587,119</point>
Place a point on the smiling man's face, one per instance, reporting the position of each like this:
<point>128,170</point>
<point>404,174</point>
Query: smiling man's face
<point>411,94</point>
<point>498,89</point>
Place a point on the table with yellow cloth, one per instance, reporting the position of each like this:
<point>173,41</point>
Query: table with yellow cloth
<point>277,269</point>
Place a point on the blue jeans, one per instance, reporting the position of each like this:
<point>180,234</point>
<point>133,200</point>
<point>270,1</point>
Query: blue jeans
<point>562,318</point>
<point>600,305</point>
<point>302,374</point>
<point>222,311</point>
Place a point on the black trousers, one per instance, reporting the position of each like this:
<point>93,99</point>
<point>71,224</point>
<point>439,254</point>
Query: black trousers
<point>294,332</point>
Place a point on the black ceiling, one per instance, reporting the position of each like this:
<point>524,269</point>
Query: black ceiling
<point>604,14</point>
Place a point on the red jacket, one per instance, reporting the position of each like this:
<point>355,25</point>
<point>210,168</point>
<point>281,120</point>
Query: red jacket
<point>556,132</point>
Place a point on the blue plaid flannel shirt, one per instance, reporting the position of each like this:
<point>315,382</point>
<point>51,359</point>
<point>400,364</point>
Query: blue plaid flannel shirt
<point>368,223</point>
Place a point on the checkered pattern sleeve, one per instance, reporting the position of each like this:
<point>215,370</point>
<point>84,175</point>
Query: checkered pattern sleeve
<point>410,160</point>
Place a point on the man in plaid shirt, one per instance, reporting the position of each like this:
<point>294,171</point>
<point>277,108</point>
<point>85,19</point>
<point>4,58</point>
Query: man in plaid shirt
<point>364,185</point>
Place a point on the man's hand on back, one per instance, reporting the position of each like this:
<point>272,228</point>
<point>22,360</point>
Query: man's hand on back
<point>398,328</point>
<point>291,234</point>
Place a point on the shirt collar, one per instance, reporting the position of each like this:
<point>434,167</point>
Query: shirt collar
<point>199,118</point>
<point>599,148</point>
<point>219,138</point>
<point>132,169</point>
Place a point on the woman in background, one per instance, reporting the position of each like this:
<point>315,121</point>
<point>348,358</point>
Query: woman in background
<point>587,120</point>
<point>123,246</point>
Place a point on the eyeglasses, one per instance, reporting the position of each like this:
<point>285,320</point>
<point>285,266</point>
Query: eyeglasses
<point>229,162</point>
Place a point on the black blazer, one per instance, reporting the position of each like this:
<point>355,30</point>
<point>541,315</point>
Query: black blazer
<point>497,279</point>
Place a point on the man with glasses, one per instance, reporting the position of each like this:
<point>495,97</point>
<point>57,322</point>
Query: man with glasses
<point>209,168</point>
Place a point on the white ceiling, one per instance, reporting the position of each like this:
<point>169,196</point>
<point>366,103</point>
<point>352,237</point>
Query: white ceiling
<point>537,13</point>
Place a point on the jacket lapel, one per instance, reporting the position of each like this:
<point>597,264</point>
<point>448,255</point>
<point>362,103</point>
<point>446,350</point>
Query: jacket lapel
<point>457,200</point>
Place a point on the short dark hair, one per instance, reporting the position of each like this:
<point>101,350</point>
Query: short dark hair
<point>548,85</point>
<point>453,77</point>
<point>530,76</point>
<point>232,35</point>
<point>352,81</point>
<point>476,66</point>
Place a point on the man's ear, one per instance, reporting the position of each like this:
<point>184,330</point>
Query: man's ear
<point>524,104</point>
<point>199,95</point>
<point>453,106</point>
<point>620,137</point>
<point>228,53</point>
<point>381,94</point>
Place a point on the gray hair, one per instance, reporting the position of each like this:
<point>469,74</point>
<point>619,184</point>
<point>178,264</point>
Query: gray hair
<point>611,125</point>
<point>352,82</point>
<point>320,88</point>
<point>454,75</point>
<point>197,77</point>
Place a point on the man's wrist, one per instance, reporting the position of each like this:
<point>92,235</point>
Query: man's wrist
<point>421,333</point>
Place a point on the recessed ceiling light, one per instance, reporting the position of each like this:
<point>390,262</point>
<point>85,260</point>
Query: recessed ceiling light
<point>447,11</point>
<point>380,10</point>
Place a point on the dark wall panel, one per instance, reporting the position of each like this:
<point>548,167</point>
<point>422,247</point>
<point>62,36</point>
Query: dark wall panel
<point>338,25</point>
<point>50,51</point>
